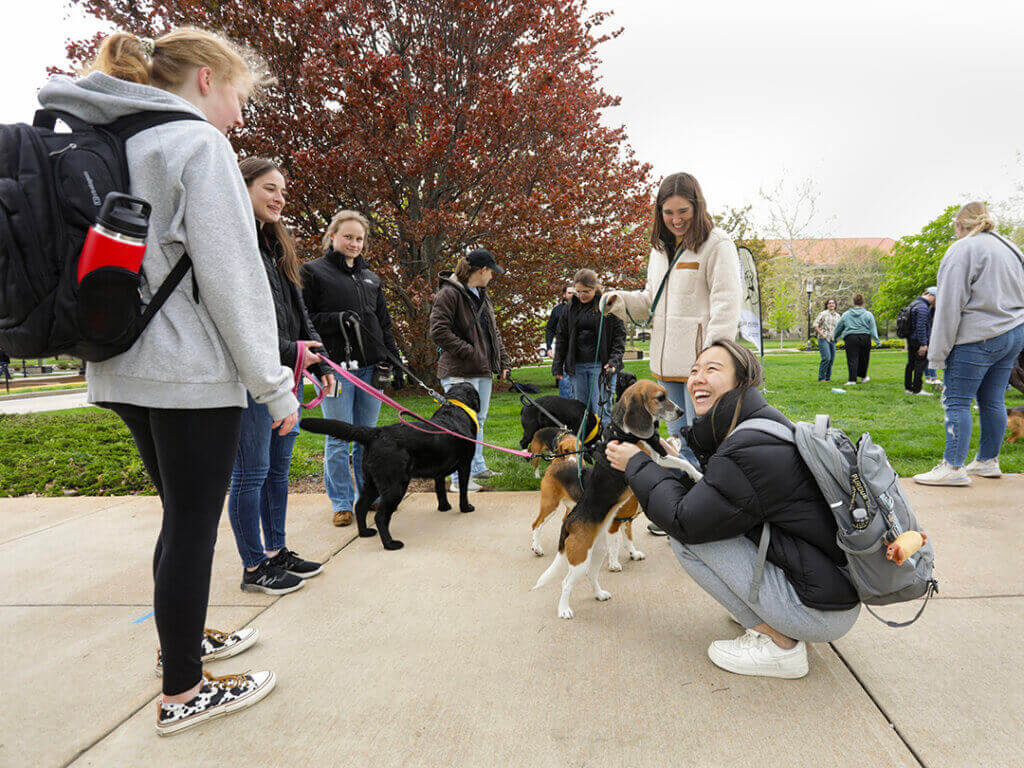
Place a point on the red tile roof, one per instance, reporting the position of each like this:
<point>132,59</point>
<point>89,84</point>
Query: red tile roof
<point>832,250</point>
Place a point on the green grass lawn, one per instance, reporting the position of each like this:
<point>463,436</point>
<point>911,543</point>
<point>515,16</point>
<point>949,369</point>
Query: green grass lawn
<point>89,451</point>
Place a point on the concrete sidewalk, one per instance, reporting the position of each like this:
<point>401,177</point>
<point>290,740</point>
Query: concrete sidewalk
<point>440,655</point>
<point>37,402</point>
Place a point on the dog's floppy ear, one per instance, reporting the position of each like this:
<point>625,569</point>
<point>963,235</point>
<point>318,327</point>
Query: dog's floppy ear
<point>631,416</point>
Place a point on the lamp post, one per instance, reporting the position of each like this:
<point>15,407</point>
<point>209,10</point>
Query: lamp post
<point>809,287</point>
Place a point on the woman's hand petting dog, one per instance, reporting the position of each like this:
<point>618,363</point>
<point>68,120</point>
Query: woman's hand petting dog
<point>619,454</point>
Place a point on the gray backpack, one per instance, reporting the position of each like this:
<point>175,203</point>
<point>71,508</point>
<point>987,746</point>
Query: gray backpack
<point>864,494</point>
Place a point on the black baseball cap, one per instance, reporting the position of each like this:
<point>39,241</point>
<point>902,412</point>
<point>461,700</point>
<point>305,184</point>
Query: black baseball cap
<point>481,257</point>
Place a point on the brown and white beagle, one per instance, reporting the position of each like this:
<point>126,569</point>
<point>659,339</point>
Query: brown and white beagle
<point>606,501</point>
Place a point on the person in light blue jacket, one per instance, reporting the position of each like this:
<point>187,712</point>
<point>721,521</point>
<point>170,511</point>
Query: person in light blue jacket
<point>857,329</point>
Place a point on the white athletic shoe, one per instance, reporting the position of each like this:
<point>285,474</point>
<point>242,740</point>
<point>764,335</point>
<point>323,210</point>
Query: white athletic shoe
<point>849,384</point>
<point>755,654</point>
<point>908,392</point>
<point>924,393</point>
<point>865,380</point>
<point>980,468</point>
<point>943,474</point>
<point>473,486</point>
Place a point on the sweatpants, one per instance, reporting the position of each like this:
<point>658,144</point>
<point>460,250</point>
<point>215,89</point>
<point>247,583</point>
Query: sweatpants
<point>724,569</point>
<point>858,355</point>
<point>188,454</point>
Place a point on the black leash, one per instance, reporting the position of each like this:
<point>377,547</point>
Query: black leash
<point>525,399</point>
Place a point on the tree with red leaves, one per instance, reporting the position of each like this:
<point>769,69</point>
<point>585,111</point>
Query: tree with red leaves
<point>450,124</point>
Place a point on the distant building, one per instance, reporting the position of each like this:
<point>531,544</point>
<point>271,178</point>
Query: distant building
<point>831,251</point>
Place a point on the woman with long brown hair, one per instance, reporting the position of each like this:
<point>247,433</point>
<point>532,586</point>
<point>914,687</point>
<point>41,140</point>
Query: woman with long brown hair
<point>259,479</point>
<point>694,271</point>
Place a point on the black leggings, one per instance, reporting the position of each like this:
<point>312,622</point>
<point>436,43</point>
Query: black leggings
<point>858,354</point>
<point>188,454</point>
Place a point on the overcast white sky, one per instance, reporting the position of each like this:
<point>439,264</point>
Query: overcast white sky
<point>896,108</point>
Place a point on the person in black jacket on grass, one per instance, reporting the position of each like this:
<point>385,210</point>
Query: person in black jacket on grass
<point>577,353</point>
<point>921,313</point>
<point>346,301</point>
<point>565,388</point>
<point>715,525</point>
<point>259,478</point>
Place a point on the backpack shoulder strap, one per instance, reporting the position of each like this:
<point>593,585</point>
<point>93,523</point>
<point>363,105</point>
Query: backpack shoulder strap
<point>768,426</point>
<point>164,291</point>
<point>129,125</point>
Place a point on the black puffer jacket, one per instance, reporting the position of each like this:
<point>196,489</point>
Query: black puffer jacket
<point>613,337</point>
<point>293,323</point>
<point>330,287</point>
<point>749,478</point>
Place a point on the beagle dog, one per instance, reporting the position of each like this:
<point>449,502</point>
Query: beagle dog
<point>561,486</point>
<point>606,500</point>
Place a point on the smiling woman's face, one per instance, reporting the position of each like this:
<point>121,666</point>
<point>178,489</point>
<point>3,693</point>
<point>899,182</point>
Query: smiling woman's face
<point>712,376</point>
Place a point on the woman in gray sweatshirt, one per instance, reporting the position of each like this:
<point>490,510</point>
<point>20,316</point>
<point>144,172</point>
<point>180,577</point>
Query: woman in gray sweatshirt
<point>182,387</point>
<point>977,334</point>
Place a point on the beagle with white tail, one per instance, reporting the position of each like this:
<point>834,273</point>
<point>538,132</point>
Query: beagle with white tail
<point>606,500</point>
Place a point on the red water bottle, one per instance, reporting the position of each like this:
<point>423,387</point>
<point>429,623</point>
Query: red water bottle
<point>118,238</point>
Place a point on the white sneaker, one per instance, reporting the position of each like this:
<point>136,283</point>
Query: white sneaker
<point>924,394</point>
<point>755,654</point>
<point>473,486</point>
<point>943,474</point>
<point>849,383</point>
<point>865,380</point>
<point>980,468</point>
<point>908,392</point>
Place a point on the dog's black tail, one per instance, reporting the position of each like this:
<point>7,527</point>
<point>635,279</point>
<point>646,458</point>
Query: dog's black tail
<point>340,429</point>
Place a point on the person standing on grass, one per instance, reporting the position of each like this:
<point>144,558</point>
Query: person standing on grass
<point>565,386</point>
<point>699,269</point>
<point>580,354</point>
<point>259,479</point>
<point>857,329</point>
<point>463,326</point>
<point>346,301</point>
<point>977,334</point>
<point>921,312</point>
<point>5,363</point>
<point>825,325</point>
<point>181,388</point>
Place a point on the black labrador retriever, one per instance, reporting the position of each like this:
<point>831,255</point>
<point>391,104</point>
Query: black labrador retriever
<point>397,453</point>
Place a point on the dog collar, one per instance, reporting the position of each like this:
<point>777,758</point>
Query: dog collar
<point>467,409</point>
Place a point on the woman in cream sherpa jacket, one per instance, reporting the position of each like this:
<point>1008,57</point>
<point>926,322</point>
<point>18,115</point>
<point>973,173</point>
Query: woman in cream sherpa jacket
<point>702,296</point>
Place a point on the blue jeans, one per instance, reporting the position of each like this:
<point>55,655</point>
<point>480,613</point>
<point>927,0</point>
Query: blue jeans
<point>482,385</point>
<point>827,350</point>
<point>587,388</point>
<point>259,485</point>
<point>356,407</point>
<point>680,395</point>
<point>565,387</point>
<point>980,369</point>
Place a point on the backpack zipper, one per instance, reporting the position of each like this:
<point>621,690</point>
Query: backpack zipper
<point>57,152</point>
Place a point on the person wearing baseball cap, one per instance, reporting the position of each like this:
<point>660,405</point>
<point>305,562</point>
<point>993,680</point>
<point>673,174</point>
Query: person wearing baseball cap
<point>463,326</point>
<point>921,313</point>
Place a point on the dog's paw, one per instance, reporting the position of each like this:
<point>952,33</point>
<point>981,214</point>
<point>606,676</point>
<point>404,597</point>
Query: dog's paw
<point>537,550</point>
<point>636,554</point>
<point>368,533</point>
<point>601,595</point>
<point>393,544</point>
<point>614,566</point>
<point>444,507</point>
<point>536,473</point>
<point>565,613</point>
<point>467,508</point>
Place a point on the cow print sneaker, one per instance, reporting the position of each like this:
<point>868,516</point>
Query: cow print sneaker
<point>217,696</point>
<point>218,645</point>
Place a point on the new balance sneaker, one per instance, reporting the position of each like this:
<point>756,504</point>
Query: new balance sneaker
<point>755,654</point>
<point>270,579</point>
<point>473,486</point>
<point>218,645</point>
<point>217,696</point>
<point>295,565</point>
<point>989,468</point>
<point>943,474</point>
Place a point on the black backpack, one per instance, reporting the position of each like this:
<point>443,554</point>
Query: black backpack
<point>905,321</point>
<point>52,185</point>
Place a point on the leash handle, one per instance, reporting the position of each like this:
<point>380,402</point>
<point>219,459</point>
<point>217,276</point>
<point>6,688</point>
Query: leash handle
<point>300,374</point>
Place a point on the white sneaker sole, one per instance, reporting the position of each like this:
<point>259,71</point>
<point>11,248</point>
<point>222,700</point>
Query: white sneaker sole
<point>270,590</point>
<point>953,483</point>
<point>308,575</point>
<point>223,653</point>
<point>211,714</point>
<point>725,662</point>
<point>985,473</point>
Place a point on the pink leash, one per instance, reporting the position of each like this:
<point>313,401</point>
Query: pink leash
<point>402,410</point>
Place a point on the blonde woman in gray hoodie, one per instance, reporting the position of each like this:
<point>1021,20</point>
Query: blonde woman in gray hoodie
<point>182,387</point>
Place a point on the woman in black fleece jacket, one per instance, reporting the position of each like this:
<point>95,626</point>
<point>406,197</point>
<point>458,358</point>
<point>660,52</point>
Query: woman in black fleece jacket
<point>715,525</point>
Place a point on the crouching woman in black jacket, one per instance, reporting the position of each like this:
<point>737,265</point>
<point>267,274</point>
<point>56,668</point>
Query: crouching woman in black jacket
<point>750,478</point>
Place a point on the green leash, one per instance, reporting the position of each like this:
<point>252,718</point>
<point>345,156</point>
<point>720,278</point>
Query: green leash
<point>657,296</point>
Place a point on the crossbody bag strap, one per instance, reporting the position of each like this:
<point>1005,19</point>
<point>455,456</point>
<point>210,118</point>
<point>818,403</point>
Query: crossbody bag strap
<point>762,556</point>
<point>1003,240</point>
<point>167,286</point>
